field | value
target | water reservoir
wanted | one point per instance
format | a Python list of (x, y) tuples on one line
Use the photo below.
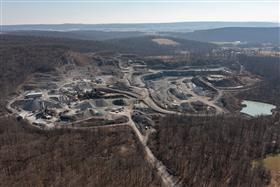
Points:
[(254, 108)]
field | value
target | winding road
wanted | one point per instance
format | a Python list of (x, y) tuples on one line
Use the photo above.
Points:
[(141, 94)]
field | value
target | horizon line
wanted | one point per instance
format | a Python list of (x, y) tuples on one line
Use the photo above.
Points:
[(140, 1), (139, 23)]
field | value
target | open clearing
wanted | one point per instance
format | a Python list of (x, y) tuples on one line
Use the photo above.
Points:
[(164, 41)]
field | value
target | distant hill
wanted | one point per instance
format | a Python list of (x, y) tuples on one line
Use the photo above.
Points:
[(143, 45), (249, 35), (147, 46), (80, 34), (146, 27), (231, 34), (64, 43)]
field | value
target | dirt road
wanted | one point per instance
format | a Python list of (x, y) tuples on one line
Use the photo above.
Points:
[(167, 178)]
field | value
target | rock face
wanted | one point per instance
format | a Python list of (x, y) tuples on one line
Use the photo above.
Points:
[(120, 102), (35, 104), (85, 105)]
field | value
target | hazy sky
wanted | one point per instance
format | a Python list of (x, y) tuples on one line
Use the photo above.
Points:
[(138, 11)]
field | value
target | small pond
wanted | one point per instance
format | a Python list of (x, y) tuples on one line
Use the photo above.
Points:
[(254, 108)]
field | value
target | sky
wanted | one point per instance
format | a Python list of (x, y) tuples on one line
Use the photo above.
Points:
[(136, 11)]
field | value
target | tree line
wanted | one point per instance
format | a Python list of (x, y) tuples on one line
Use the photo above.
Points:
[(216, 151)]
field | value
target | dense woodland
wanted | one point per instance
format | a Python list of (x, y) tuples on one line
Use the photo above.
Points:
[(145, 46), (19, 62), (269, 68), (216, 151), (80, 34), (232, 34), (30, 157)]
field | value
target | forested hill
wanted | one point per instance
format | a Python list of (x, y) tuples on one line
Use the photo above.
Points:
[(146, 45), (230, 34), (143, 45), (79, 34)]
